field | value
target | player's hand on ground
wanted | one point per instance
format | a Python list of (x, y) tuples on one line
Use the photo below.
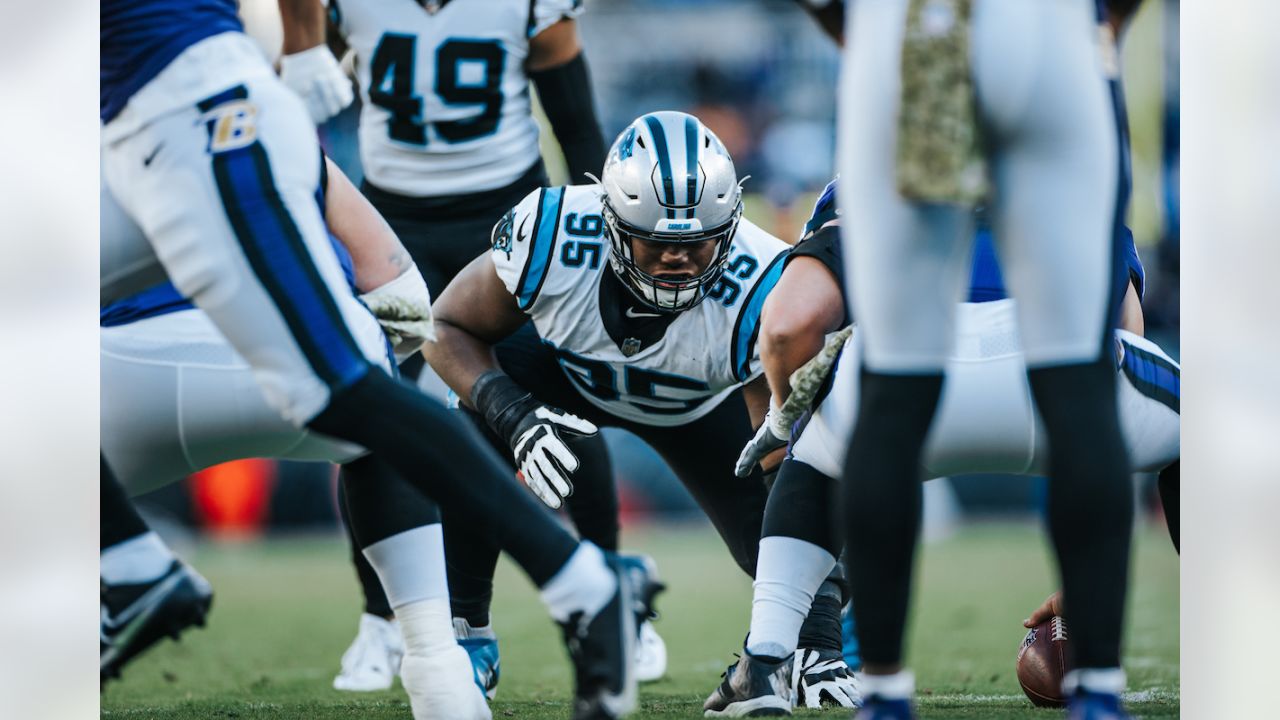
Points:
[(771, 436), (315, 75), (542, 455), (403, 309), (1050, 607)]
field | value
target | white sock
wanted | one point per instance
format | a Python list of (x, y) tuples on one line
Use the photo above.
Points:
[(788, 573), (427, 626), (135, 560), (898, 686), (410, 565), (1107, 681), (584, 583)]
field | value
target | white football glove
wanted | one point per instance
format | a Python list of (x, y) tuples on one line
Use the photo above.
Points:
[(314, 74), (774, 433), (403, 309), (544, 460), (822, 678)]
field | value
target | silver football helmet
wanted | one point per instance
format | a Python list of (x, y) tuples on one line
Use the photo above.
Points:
[(668, 179)]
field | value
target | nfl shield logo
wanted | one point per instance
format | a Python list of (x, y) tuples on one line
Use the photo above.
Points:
[(630, 347), (432, 6)]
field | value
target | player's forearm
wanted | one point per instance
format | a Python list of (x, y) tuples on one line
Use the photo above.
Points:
[(376, 253), (459, 358), (567, 100), (303, 22)]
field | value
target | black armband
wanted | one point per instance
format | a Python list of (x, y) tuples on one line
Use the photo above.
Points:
[(565, 93), (502, 402)]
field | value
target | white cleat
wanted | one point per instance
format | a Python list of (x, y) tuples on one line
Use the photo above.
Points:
[(442, 686), (651, 654), (373, 660)]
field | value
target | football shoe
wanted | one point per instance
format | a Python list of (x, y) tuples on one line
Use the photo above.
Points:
[(602, 647), (137, 615), (755, 686), (442, 686), (1085, 705), (481, 645), (878, 708), (821, 677), (373, 659), (651, 650)]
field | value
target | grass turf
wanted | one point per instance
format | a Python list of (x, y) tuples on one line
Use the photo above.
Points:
[(285, 610)]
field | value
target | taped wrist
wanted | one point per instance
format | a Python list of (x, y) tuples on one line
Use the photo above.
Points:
[(503, 403), (565, 93)]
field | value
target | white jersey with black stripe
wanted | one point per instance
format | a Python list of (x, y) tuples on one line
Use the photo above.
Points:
[(551, 255), (444, 90)]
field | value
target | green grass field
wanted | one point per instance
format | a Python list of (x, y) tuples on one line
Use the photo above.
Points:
[(285, 610)]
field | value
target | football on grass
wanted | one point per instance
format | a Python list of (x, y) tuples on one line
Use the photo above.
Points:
[(1043, 660)]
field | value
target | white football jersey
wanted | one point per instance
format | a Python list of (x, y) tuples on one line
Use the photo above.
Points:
[(444, 90), (551, 254)]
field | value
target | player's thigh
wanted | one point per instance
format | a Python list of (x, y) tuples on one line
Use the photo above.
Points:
[(177, 398), (985, 420), (905, 263), (127, 264), (140, 432), (228, 203), (1046, 99), (1149, 396)]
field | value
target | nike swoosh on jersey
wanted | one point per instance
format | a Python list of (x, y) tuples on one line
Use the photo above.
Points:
[(631, 313)]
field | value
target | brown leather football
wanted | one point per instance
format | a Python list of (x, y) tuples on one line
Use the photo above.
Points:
[(1043, 659)]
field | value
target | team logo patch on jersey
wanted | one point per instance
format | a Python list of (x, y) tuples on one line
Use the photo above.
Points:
[(500, 239), (232, 125), (630, 346)]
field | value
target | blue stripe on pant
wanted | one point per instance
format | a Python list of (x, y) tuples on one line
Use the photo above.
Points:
[(280, 260)]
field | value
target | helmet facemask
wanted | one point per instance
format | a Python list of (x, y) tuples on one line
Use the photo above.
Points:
[(667, 294)]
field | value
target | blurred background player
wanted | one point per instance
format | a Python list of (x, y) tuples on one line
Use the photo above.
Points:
[(621, 281), (448, 143), (1037, 82), (214, 159)]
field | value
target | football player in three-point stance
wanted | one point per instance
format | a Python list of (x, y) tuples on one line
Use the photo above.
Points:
[(986, 421), (448, 143), (644, 293), (215, 160)]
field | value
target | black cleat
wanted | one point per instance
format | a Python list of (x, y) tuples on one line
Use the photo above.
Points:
[(753, 687), (603, 652), (135, 617)]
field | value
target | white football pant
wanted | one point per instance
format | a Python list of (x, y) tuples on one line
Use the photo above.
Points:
[(177, 398), (1045, 105)]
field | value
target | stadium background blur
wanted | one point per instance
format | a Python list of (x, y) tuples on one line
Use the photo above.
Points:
[(764, 80)]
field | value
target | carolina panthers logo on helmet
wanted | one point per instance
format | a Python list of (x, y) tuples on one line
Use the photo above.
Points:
[(500, 238)]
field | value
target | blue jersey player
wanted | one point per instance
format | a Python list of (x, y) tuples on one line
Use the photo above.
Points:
[(215, 161)]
